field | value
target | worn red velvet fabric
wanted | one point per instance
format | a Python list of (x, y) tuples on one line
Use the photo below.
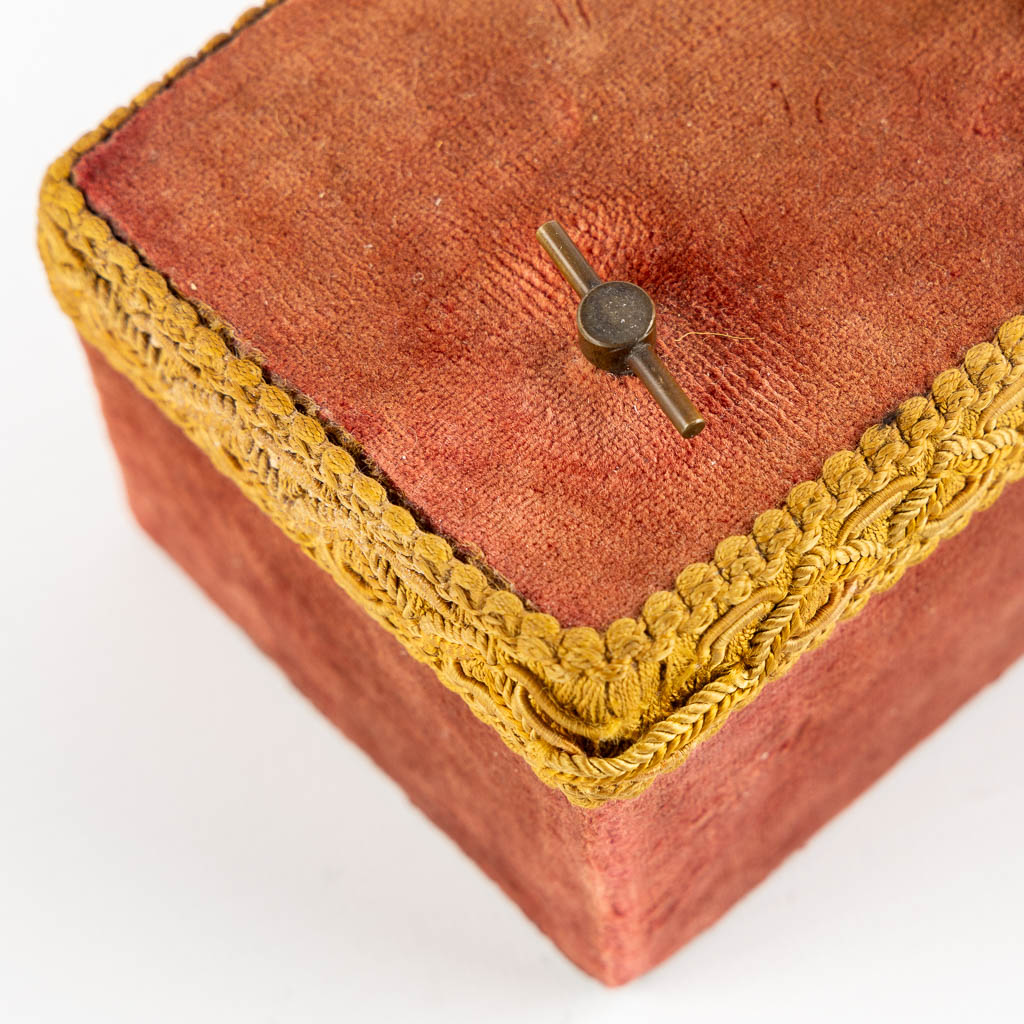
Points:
[(620, 887), (825, 200)]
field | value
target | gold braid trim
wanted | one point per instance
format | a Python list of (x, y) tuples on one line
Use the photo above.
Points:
[(596, 714)]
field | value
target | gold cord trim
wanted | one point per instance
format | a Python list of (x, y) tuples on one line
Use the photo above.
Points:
[(596, 714)]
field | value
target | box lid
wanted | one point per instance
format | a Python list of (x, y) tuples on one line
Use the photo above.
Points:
[(314, 247)]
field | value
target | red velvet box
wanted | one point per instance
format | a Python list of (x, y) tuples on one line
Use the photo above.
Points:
[(341, 379)]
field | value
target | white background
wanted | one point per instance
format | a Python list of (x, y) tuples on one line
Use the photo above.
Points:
[(182, 838)]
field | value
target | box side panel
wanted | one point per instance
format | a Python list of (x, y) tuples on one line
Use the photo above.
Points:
[(620, 887), (679, 855), (522, 833)]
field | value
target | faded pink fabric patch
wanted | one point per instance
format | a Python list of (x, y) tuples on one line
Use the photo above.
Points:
[(355, 188)]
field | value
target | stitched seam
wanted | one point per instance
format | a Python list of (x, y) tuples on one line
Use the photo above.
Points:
[(597, 714)]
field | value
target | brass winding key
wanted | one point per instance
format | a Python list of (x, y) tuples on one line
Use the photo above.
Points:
[(616, 325)]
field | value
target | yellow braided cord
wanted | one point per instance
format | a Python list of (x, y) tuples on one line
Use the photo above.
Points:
[(596, 714)]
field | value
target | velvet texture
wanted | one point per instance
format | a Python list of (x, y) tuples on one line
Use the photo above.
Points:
[(832, 191), (618, 888)]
